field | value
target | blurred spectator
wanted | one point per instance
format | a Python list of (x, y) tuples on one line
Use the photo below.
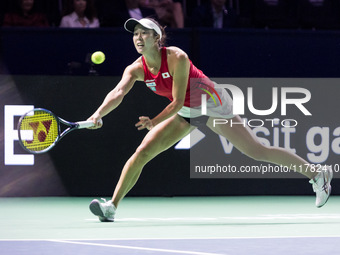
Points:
[(213, 14), (178, 14), (115, 13), (80, 14), (169, 12), (25, 15), (138, 9)]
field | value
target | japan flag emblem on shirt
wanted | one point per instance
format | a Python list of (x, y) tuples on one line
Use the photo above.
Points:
[(165, 75)]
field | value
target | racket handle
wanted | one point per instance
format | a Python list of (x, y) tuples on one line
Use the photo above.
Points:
[(85, 124)]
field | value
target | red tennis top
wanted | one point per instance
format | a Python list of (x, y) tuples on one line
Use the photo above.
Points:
[(162, 82)]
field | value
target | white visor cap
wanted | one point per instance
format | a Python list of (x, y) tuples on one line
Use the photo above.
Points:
[(147, 23)]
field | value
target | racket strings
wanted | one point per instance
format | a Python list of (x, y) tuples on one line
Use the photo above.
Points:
[(38, 131)]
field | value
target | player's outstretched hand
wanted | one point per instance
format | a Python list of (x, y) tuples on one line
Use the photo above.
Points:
[(96, 119), (144, 122)]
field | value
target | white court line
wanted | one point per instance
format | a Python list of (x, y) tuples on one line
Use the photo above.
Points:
[(135, 248), (211, 219), (170, 238)]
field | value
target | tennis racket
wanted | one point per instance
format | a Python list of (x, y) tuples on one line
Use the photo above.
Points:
[(40, 130)]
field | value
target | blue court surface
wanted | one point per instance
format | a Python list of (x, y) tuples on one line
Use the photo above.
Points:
[(180, 225)]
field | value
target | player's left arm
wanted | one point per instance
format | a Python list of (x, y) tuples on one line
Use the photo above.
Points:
[(179, 66)]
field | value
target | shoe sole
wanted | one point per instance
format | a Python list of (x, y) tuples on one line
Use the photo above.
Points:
[(95, 209)]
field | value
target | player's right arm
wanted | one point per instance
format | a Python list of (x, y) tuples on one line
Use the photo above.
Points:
[(131, 74)]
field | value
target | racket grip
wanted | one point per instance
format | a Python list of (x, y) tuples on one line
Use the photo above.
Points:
[(85, 124)]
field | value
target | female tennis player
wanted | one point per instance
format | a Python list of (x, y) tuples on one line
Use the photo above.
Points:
[(168, 72)]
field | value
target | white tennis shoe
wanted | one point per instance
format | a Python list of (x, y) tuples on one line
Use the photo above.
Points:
[(105, 211), (322, 186)]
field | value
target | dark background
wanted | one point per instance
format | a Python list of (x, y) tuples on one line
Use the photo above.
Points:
[(219, 53)]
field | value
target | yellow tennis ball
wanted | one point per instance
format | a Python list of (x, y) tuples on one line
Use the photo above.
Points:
[(98, 57)]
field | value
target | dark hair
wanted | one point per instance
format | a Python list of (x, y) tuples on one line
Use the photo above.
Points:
[(162, 41), (90, 11), (16, 7)]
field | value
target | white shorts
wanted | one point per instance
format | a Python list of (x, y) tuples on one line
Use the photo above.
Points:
[(224, 111)]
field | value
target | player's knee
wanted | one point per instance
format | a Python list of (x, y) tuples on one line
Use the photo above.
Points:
[(144, 153)]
